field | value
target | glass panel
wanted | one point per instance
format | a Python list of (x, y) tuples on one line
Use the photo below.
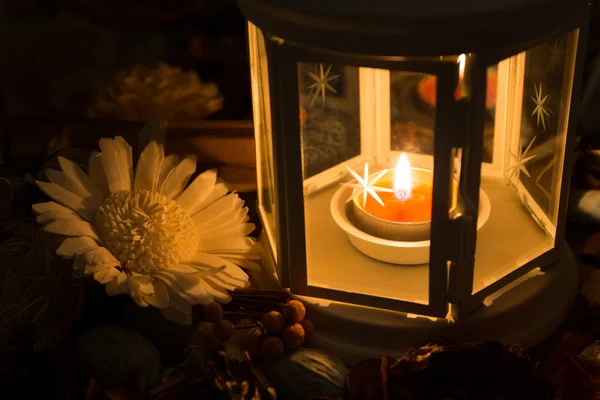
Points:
[(353, 243), (262, 126), (329, 115), (524, 201), (412, 112)]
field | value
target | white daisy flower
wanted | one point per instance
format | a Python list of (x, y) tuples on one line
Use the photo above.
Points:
[(144, 233)]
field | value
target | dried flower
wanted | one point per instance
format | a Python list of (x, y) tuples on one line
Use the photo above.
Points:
[(294, 312), (144, 233), (163, 93)]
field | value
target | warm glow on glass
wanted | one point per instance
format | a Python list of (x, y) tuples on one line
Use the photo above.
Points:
[(402, 178)]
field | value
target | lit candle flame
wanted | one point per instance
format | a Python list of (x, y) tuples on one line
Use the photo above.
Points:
[(402, 179), (461, 67)]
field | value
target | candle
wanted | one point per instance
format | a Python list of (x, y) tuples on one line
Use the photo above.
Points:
[(462, 89), (401, 209), (411, 198), (416, 208)]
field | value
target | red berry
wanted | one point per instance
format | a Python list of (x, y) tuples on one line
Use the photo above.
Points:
[(223, 330), (213, 312), (273, 322), (293, 336), (309, 329), (294, 312)]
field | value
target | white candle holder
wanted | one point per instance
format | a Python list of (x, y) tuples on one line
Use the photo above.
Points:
[(403, 252), (392, 230)]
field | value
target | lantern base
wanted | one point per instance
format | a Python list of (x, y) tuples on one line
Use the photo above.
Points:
[(524, 314)]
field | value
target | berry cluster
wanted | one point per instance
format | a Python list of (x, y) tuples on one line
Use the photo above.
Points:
[(286, 330), (223, 328), (280, 330)]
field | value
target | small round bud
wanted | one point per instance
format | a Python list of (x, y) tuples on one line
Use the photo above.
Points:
[(273, 322), (309, 329), (293, 336), (272, 348), (223, 330), (213, 312), (294, 312)]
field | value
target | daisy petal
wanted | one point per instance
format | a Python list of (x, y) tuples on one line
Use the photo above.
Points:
[(106, 275), (245, 263), (126, 148), (227, 220), (72, 227), (75, 245), (54, 216), (219, 210), (188, 287), (212, 261), (226, 245), (219, 191), (49, 206), (236, 231), (160, 298), (179, 177), (197, 191), (243, 256), (148, 167), (62, 180), (183, 269), (93, 268), (177, 303), (97, 173), (219, 294), (168, 165), (118, 285), (225, 281), (67, 199), (115, 165), (80, 178), (139, 288), (99, 255)]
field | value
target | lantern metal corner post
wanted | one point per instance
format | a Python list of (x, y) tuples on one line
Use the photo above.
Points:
[(492, 224), (287, 148)]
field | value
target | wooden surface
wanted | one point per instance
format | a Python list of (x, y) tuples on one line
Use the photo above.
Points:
[(225, 145)]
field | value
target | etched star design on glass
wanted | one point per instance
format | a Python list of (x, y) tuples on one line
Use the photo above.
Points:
[(521, 159), (368, 186), (320, 84), (541, 110), (555, 55)]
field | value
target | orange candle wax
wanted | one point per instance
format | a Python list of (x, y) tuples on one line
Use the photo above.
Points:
[(416, 208)]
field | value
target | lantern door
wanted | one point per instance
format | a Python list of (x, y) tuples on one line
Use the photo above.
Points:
[(334, 118), (528, 138)]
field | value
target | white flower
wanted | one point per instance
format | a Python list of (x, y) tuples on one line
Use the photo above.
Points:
[(161, 93), (144, 233)]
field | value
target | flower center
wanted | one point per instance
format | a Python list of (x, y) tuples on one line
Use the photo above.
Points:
[(145, 231)]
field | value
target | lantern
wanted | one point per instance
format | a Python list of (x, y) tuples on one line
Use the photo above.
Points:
[(413, 164)]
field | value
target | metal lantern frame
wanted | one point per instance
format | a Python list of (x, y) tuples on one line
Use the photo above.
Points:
[(459, 125)]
